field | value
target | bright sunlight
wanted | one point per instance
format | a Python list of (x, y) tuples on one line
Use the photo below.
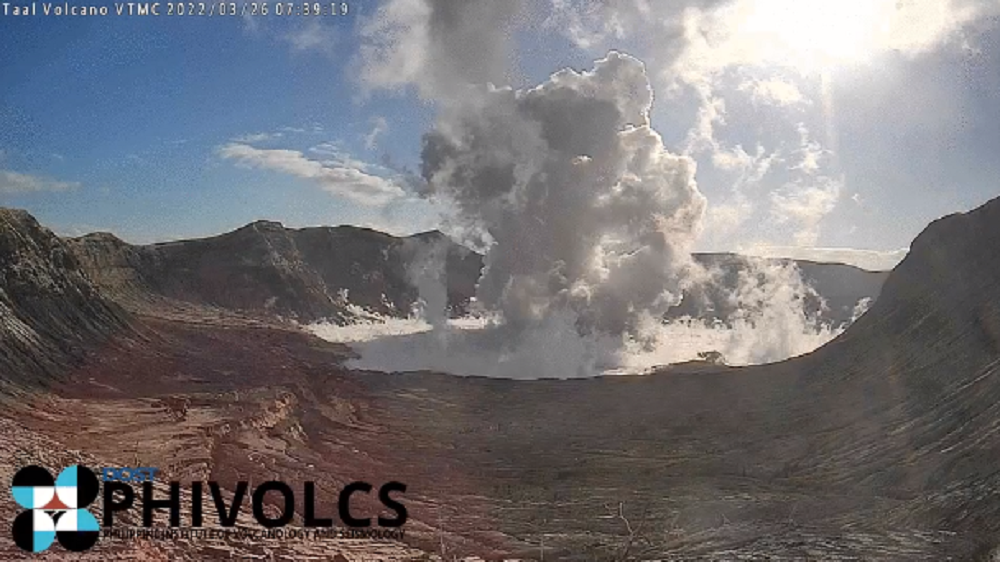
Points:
[(816, 35)]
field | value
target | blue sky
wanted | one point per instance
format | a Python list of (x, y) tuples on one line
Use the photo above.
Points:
[(132, 109), (123, 124)]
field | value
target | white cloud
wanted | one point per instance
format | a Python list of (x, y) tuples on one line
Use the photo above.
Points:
[(774, 91), (250, 24), (694, 43), (711, 112), (439, 46), (598, 24), (723, 219), (752, 168), (811, 35), (334, 154), (256, 137), (811, 154), (808, 191), (805, 205), (259, 137), (346, 181), (313, 36), (379, 127), (17, 182)]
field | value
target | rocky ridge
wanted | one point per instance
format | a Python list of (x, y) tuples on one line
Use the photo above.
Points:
[(267, 270)]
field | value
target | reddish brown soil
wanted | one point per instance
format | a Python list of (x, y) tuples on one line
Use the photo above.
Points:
[(256, 404)]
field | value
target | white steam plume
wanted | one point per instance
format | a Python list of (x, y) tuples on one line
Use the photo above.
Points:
[(590, 218), (424, 271), (772, 318)]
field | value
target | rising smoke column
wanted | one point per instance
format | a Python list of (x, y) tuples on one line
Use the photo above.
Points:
[(586, 213), (587, 217)]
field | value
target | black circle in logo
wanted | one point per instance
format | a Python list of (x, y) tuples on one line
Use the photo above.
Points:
[(31, 536), (77, 486), (77, 530), (32, 476)]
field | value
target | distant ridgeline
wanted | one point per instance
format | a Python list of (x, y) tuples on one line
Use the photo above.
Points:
[(305, 274)]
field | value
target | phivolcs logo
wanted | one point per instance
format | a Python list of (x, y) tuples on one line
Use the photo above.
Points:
[(55, 508)]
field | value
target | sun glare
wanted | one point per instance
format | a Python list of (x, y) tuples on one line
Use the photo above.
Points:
[(816, 35)]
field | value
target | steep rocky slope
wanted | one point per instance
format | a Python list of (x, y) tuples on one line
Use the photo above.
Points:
[(303, 274), (50, 313)]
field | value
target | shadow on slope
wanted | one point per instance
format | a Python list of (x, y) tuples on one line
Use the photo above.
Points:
[(50, 313)]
